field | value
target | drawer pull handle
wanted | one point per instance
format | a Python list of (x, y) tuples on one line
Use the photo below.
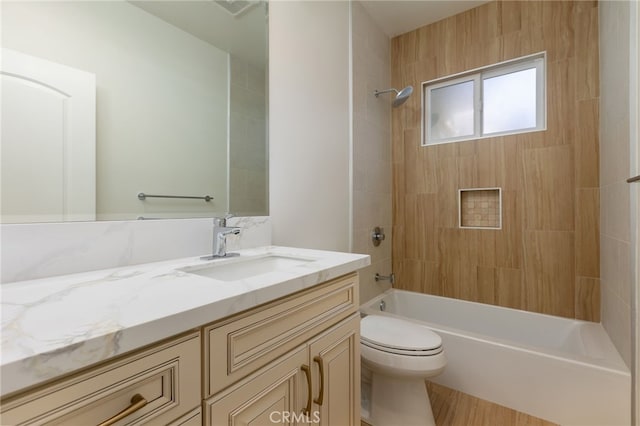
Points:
[(307, 372), (137, 402), (320, 398)]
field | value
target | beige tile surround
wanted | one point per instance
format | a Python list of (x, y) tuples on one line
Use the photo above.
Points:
[(546, 257)]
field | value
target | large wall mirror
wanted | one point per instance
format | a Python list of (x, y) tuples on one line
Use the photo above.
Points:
[(104, 100)]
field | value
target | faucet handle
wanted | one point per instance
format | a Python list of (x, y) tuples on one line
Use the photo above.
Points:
[(222, 221)]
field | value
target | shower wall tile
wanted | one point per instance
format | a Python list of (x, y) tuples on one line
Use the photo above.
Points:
[(397, 248), (467, 171), (248, 175), (373, 173), (509, 288), (548, 188), (490, 163), (509, 238), (489, 18), (486, 284), (586, 152), (616, 318), (616, 266), (428, 217), (431, 283), (557, 26), (510, 167), (523, 42), (545, 258), (511, 17), (561, 102), (588, 232), (550, 277), (413, 241), (447, 202), (398, 192), (486, 247), (587, 69), (616, 263), (421, 169), (617, 200), (414, 272), (588, 299)]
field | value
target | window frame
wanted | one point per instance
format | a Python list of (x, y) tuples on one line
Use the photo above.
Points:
[(478, 75), (476, 96)]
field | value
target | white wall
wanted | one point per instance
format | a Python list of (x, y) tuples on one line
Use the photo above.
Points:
[(309, 127), (161, 101), (371, 148)]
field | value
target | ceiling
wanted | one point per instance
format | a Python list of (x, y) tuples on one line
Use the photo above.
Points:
[(397, 17), (243, 35)]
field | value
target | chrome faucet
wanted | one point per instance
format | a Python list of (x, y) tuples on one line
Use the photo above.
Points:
[(220, 232)]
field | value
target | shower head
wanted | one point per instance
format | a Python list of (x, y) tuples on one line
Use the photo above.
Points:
[(401, 95)]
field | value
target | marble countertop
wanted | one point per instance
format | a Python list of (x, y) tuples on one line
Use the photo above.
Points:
[(53, 326)]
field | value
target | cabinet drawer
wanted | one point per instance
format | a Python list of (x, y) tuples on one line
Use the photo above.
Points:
[(166, 376), (243, 343)]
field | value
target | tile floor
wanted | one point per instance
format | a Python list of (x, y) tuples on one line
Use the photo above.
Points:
[(453, 408)]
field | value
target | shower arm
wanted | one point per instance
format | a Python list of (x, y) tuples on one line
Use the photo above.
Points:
[(380, 92)]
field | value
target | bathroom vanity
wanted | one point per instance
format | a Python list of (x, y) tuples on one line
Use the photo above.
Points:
[(271, 336)]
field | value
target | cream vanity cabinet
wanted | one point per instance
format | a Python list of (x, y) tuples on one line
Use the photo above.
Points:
[(155, 386), (291, 361), (294, 361)]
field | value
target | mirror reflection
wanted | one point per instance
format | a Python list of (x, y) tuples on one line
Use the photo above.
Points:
[(102, 101)]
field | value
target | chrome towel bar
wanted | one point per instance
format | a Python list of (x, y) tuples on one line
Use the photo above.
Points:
[(633, 179), (142, 196)]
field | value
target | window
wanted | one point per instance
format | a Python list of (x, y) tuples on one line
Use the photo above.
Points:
[(502, 99)]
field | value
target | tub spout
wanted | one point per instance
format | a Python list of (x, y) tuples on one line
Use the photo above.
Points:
[(383, 305)]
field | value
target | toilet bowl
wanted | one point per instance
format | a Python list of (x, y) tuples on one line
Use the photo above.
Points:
[(400, 356)]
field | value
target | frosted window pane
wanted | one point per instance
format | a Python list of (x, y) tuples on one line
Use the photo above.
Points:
[(509, 102), (452, 111)]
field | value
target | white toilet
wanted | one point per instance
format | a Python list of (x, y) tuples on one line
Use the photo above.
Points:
[(400, 355)]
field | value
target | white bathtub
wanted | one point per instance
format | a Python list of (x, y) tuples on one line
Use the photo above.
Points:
[(562, 370)]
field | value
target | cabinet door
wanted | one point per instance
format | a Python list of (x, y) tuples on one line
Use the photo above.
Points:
[(194, 418), (276, 395), (335, 357)]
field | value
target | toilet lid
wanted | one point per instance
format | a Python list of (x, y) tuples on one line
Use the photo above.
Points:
[(395, 333)]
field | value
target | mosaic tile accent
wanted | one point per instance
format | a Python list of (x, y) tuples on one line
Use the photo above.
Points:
[(480, 208)]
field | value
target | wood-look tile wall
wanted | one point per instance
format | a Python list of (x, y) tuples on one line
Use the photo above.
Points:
[(546, 256)]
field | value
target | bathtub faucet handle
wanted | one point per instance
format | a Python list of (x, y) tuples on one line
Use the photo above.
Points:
[(391, 278), (377, 236)]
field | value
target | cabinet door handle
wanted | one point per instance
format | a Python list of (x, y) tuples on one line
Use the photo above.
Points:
[(318, 359), (307, 372), (137, 402)]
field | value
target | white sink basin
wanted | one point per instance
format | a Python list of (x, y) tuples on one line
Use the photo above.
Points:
[(239, 268)]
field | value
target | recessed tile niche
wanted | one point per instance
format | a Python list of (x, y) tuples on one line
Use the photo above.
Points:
[(480, 208)]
